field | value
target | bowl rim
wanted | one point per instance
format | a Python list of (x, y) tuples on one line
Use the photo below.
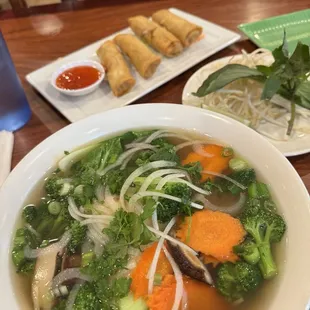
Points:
[(165, 110), (77, 63)]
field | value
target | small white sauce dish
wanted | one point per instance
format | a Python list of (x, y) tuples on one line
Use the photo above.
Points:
[(81, 91)]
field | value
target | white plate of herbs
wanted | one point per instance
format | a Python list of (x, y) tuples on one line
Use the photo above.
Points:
[(269, 92)]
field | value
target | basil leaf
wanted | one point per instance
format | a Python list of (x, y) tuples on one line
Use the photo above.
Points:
[(271, 87), (300, 60), (264, 69), (224, 76), (303, 95), (281, 54)]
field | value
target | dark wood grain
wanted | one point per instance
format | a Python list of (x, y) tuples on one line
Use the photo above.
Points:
[(84, 23)]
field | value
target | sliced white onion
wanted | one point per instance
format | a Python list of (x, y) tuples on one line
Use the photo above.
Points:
[(57, 246), (179, 281), (139, 145), (187, 143), (220, 175), (184, 300), (74, 208), (71, 208), (172, 240), (120, 160), (154, 219), (138, 172), (138, 196), (72, 296), (164, 134), (67, 161), (232, 210), (160, 244), (194, 187), (168, 178), (68, 274), (32, 230), (154, 136), (154, 175), (198, 148)]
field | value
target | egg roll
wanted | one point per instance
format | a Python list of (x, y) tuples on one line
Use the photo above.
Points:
[(144, 60), (185, 31), (118, 74), (156, 36)]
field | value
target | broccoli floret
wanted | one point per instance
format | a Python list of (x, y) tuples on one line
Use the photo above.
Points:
[(167, 209), (57, 188), (78, 234), (244, 177), (265, 228), (248, 251), (23, 237), (143, 157), (87, 298), (116, 178), (62, 222), (234, 281), (30, 214)]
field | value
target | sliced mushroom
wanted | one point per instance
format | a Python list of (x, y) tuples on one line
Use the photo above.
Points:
[(189, 264), (41, 284)]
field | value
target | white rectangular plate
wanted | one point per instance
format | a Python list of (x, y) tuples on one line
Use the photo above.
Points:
[(75, 108)]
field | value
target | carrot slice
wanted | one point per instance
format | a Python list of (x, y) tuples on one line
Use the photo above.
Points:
[(139, 284), (217, 163), (199, 296), (212, 233), (163, 295)]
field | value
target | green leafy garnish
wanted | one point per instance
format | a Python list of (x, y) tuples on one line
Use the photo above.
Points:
[(287, 76)]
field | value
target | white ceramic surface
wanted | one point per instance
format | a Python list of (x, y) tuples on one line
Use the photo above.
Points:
[(292, 147), (82, 91), (215, 39), (290, 290)]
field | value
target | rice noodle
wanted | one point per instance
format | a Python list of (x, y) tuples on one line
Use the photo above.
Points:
[(57, 246), (156, 174), (153, 266), (94, 220), (68, 274), (140, 195), (179, 281), (138, 172), (220, 175), (172, 240), (234, 209)]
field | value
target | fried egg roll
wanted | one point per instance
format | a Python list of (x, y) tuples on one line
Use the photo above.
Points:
[(185, 31), (144, 60), (119, 77), (156, 36)]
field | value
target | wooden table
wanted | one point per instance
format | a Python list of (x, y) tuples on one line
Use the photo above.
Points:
[(84, 23)]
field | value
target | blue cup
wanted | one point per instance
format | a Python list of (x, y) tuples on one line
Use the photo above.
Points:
[(14, 108)]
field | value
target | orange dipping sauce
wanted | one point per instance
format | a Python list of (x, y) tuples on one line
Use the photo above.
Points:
[(78, 77)]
